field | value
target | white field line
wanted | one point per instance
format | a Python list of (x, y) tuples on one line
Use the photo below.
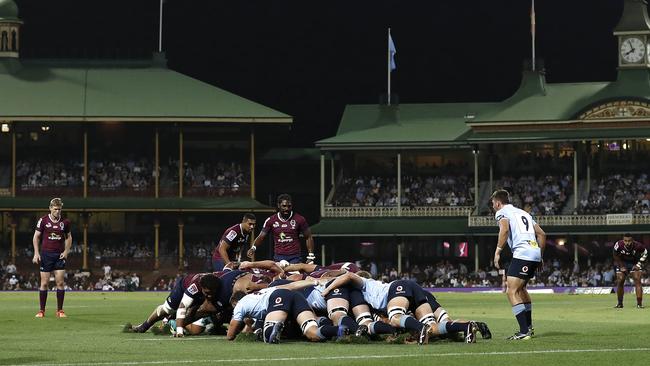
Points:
[(351, 357)]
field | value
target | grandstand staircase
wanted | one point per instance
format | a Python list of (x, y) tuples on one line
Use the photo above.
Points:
[(582, 192)]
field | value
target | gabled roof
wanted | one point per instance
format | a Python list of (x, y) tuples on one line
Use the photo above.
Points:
[(538, 111), (99, 91), (405, 125)]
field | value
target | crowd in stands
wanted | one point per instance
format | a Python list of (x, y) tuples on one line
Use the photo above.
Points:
[(377, 191), (544, 195), (224, 178), (39, 173), (219, 178), (557, 274), (618, 193), (128, 173), (13, 280)]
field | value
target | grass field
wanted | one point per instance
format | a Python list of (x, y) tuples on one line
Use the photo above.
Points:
[(569, 329)]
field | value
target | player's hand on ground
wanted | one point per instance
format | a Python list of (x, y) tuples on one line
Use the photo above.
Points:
[(179, 334), (37, 258)]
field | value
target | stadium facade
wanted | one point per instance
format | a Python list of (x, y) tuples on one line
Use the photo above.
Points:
[(112, 138), (575, 133)]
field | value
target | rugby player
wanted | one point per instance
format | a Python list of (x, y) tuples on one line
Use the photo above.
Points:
[(232, 241), (398, 297), (275, 305), (286, 227), (629, 257), (190, 289), (526, 240), (55, 234)]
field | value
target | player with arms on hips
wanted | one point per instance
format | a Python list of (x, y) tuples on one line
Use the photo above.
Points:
[(53, 232), (286, 226), (232, 241), (629, 257), (526, 241)]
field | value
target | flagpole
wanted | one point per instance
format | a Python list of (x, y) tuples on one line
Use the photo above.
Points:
[(160, 27), (388, 65), (532, 30)]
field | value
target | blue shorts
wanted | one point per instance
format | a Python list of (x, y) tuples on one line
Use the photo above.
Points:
[(176, 295), (356, 298), (522, 268), (50, 262), (408, 289), (293, 259), (288, 301)]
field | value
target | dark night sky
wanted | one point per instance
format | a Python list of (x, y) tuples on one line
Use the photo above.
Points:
[(309, 59)]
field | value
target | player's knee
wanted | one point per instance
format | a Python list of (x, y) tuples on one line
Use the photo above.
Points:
[(395, 315), (337, 313), (310, 329), (163, 309), (428, 319), (364, 318)]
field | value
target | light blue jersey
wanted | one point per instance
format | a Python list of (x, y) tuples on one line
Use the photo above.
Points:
[(521, 237), (315, 298), (253, 305), (375, 293)]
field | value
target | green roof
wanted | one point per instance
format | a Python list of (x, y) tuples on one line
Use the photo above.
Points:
[(225, 204), (78, 91), (462, 124), (8, 10), (404, 125)]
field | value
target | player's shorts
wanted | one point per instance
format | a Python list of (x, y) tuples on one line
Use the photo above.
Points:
[(339, 293), (291, 302), (627, 265), (50, 262), (176, 294), (523, 269), (431, 300), (293, 259), (356, 298), (408, 289)]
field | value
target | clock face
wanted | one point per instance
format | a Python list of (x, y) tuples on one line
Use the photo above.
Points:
[(632, 50)]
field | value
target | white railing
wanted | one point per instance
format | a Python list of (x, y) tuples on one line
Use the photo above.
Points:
[(392, 211), (562, 220)]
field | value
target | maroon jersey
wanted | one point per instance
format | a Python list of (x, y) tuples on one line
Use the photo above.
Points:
[(348, 266), (261, 275), (631, 254), (53, 234), (286, 233), (236, 238), (192, 285)]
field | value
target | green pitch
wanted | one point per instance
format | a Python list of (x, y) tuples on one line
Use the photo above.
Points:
[(569, 330)]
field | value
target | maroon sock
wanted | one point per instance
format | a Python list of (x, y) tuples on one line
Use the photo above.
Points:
[(42, 296), (60, 294)]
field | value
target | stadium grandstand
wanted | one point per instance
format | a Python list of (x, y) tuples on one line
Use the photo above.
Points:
[(152, 164), (415, 179)]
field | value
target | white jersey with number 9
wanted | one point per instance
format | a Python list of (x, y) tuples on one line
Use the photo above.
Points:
[(521, 238)]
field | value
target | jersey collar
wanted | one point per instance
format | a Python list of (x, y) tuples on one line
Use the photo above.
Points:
[(283, 220)]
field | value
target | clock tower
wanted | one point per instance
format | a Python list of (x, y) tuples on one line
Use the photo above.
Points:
[(633, 32)]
